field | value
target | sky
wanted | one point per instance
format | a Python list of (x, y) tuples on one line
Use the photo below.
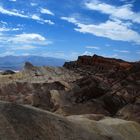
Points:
[(69, 28)]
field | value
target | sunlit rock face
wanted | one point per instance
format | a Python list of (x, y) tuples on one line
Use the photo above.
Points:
[(100, 63)]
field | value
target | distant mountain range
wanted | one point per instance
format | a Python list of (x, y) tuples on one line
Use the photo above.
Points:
[(17, 62)]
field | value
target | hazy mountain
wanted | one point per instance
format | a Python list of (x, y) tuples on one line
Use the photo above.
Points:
[(17, 62)]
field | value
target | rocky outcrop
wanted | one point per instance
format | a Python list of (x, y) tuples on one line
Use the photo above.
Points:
[(89, 88), (91, 85), (89, 95), (36, 94), (130, 112), (113, 83), (18, 122), (28, 66), (99, 63)]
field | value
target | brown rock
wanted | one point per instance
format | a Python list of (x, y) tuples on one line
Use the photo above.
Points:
[(130, 112)]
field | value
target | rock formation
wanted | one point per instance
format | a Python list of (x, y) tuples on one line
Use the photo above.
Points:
[(101, 63), (91, 95), (112, 82)]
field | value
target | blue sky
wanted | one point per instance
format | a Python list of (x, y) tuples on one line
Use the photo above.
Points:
[(69, 28)]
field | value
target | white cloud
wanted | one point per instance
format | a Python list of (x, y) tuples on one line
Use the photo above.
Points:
[(27, 38), (87, 53), (36, 17), (93, 47), (124, 12), (18, 14), (122, 51), (115, 30), (7, 53), (123, 0), (49, 22), (128, 1), (33, 4), (111, 56), (11, 13), (61, 54), (70, 19), (24, 47), (3, 23), (13, 0), (46, 11), (4, 29), (23, 42)]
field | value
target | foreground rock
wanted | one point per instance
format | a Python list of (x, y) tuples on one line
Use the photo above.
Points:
[(18, 122), (22, 122)]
